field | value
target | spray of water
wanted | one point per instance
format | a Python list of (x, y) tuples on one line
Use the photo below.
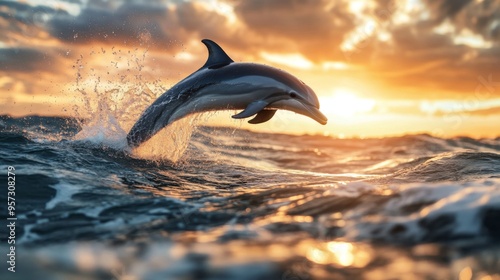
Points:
[(111, 99), (170, 143)]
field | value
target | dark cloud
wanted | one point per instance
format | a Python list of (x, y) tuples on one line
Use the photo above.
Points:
[(25, 13), (30, 70), (446, 8), (24, 60), (142, 24), (24, 7), (129, 24), (21, 22), (480, 17)]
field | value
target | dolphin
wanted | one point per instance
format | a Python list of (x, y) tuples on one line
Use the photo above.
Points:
[(222, 84)]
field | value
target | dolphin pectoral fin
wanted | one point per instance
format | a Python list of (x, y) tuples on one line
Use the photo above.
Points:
[(217, 57), (262, 116), (252, 109)]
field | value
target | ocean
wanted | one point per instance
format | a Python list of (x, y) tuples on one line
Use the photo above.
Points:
[(205, 202)]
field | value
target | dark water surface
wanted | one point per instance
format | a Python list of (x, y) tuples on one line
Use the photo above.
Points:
[(246, 205)]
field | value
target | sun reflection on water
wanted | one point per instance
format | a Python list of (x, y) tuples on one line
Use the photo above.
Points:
[(343, 251), (343, 254)]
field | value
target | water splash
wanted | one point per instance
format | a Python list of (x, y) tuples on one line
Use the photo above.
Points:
[(169, 143), (111, 100), (103, 129)]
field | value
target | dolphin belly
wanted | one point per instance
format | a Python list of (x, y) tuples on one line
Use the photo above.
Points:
[(172, 106)]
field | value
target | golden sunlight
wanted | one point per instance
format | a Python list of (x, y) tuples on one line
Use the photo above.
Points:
[(294, 60), (343, 251), (339, 253), (345, 103), (221, 8)]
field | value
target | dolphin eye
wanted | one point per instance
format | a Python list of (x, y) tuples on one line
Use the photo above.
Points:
[(293, 95)]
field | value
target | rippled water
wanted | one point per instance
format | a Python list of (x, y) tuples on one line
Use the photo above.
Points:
[(244, 205)]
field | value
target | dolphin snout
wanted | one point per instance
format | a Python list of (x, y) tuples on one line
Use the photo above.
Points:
[(314, 113), (302, 107)]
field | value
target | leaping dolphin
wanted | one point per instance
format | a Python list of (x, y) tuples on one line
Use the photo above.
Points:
[(222, 84)]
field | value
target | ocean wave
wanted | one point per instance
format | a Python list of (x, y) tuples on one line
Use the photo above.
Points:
[(229, 187), (452, 166)]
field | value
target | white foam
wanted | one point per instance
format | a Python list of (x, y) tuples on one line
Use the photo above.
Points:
[(464, 202), (64, 192), (104, 131)]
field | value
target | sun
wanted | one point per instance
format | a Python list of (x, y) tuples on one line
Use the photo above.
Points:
[(345, 103)]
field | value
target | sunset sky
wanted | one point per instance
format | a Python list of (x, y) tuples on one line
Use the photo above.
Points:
[(379, 67)]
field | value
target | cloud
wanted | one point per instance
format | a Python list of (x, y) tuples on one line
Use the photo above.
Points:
[(423, 62), (32, 71), (21, 23), (485, 112), (446, 8), (315, 28), (24, 60), (480, 112), (147, 24), (130, 24), (415, 61), (480, 17), (153, 26), (23, 10)]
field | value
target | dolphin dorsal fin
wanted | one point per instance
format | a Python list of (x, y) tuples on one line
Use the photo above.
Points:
[(217, 57)]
